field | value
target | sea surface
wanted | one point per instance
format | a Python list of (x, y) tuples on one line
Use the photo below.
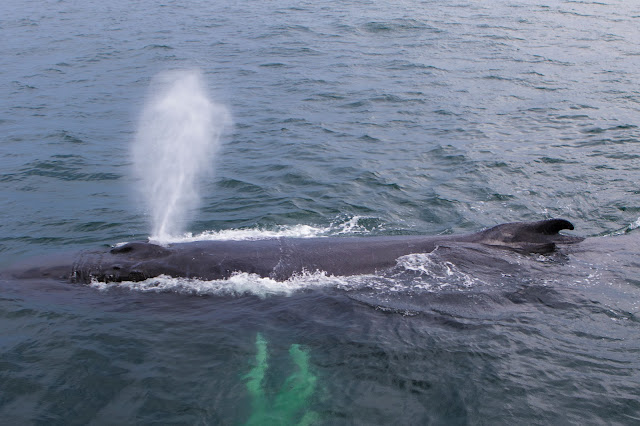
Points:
[(345, 118)]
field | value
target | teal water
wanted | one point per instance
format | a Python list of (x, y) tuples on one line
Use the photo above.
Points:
[(357, 118)]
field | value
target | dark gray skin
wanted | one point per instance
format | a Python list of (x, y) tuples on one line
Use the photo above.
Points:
[(283, 257)]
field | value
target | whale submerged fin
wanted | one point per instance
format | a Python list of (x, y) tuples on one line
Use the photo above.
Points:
[(530, 237)]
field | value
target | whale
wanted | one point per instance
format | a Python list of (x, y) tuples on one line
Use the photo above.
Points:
[(281, 258)]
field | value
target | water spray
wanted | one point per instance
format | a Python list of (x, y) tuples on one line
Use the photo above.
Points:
[(178, 136)]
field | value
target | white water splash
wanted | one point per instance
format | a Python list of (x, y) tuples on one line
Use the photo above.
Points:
[(178, 136), (443, 272), (238, 284), (297, 231), (631, 227), (350, 226)]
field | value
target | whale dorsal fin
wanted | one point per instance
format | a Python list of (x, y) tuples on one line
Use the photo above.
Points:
[(533, 237), (551, 226)]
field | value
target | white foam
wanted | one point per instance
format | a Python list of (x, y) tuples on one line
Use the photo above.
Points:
[(297, 231), (351, 226), (238, 284), (442, 273), (632, 226)]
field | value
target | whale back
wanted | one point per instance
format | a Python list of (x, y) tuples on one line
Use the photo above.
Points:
[(283, 257)]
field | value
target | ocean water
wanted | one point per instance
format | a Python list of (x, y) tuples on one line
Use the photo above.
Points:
[(345, 118)]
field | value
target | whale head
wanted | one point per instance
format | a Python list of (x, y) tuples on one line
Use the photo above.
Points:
[(133, 261)]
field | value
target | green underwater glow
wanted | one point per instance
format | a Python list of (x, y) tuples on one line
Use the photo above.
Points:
[(288, 405)]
